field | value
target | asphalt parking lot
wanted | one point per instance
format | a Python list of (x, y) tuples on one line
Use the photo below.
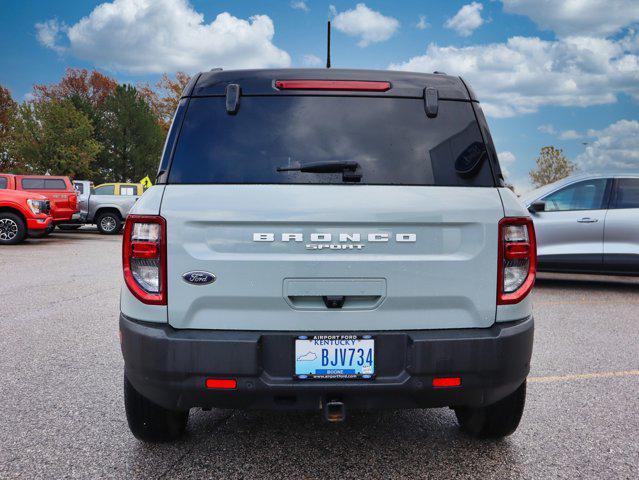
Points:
[(62, 413)]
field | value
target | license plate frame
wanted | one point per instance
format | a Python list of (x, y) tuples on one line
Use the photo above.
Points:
[(343, 349)]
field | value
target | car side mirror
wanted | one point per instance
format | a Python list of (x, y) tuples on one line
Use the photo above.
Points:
[(537, 206)]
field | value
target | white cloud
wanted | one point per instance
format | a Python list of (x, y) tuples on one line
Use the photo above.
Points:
[(506, 160), (521, 183), (577, 17), (153, 36), (300, 5), (48, 34), (422, 24), (570, 135), (547, 128), (311, 60), (467, 20), (616, 147), (369, 25), (526, 73)]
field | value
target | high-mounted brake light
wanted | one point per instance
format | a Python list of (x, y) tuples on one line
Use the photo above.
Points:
[(517, 259), (144, 258), (338, 85)]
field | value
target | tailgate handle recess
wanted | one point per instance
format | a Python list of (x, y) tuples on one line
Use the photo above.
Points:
[(334, 293), (334, 301)]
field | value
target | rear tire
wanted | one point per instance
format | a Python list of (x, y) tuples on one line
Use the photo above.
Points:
[(12, 229), (109, 223), (150, 422), (493, 421)]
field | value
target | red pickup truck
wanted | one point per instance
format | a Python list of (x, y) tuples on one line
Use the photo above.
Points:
[(22, 213), (58, 190)]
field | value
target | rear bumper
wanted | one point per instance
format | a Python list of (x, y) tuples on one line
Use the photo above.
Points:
[(62, 215), (38, 223), (170, 366)]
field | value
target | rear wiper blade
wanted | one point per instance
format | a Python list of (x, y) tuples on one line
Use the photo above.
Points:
[(349, 168), (330, 166)]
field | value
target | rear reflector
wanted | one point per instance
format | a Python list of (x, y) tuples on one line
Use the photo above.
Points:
[(221, 383), (344, 85), (447, 382)]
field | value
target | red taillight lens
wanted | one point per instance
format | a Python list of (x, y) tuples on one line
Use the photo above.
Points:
[(344, 85), (516, 250), (221, 383), (446, 382), (144, 258), (144, 250), (517, 259)]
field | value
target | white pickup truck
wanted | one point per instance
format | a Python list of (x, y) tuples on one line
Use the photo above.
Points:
[(102, 208)]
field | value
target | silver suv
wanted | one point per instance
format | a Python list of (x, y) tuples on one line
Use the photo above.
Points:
[(587, 224), (327, 240)]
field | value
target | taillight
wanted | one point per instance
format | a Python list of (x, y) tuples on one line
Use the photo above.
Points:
[(343, 85), (517, 259), (144, 258)]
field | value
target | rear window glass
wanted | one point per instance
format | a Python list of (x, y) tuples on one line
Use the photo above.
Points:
[(3, 183), (127, 190), (392, 140), (627, 195), (43, 184), (104, 190)]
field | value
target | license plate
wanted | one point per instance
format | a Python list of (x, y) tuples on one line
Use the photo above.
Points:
[(334, 357)]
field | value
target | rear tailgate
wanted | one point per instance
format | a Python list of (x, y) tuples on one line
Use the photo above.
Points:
[(431, 262), (63, 203), (407, 240)]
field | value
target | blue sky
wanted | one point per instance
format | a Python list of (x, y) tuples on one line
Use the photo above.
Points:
[(548, 72)]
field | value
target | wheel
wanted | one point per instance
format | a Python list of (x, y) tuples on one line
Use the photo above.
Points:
[(493, 421), (150, 422), (12, 229), (109, 223), (69, 227)]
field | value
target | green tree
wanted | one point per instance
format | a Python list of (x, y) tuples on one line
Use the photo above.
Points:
[(8, 113), (55, 137), (131, 136), (88, 91), (552, 165), (164, 98)]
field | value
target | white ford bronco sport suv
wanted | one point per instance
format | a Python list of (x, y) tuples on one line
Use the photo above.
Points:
[(327, 239)]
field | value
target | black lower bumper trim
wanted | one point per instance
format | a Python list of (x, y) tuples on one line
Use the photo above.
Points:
[(170, 366)]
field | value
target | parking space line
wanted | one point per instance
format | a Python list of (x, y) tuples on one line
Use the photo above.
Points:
[(579, 302), (582, 376)]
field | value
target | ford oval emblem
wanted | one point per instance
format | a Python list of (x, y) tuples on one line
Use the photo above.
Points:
[(198, 278)]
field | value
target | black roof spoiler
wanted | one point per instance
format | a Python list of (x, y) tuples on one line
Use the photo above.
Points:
[(262, 82)]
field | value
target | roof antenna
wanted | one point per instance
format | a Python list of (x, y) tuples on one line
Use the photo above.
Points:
[(328, 45)]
